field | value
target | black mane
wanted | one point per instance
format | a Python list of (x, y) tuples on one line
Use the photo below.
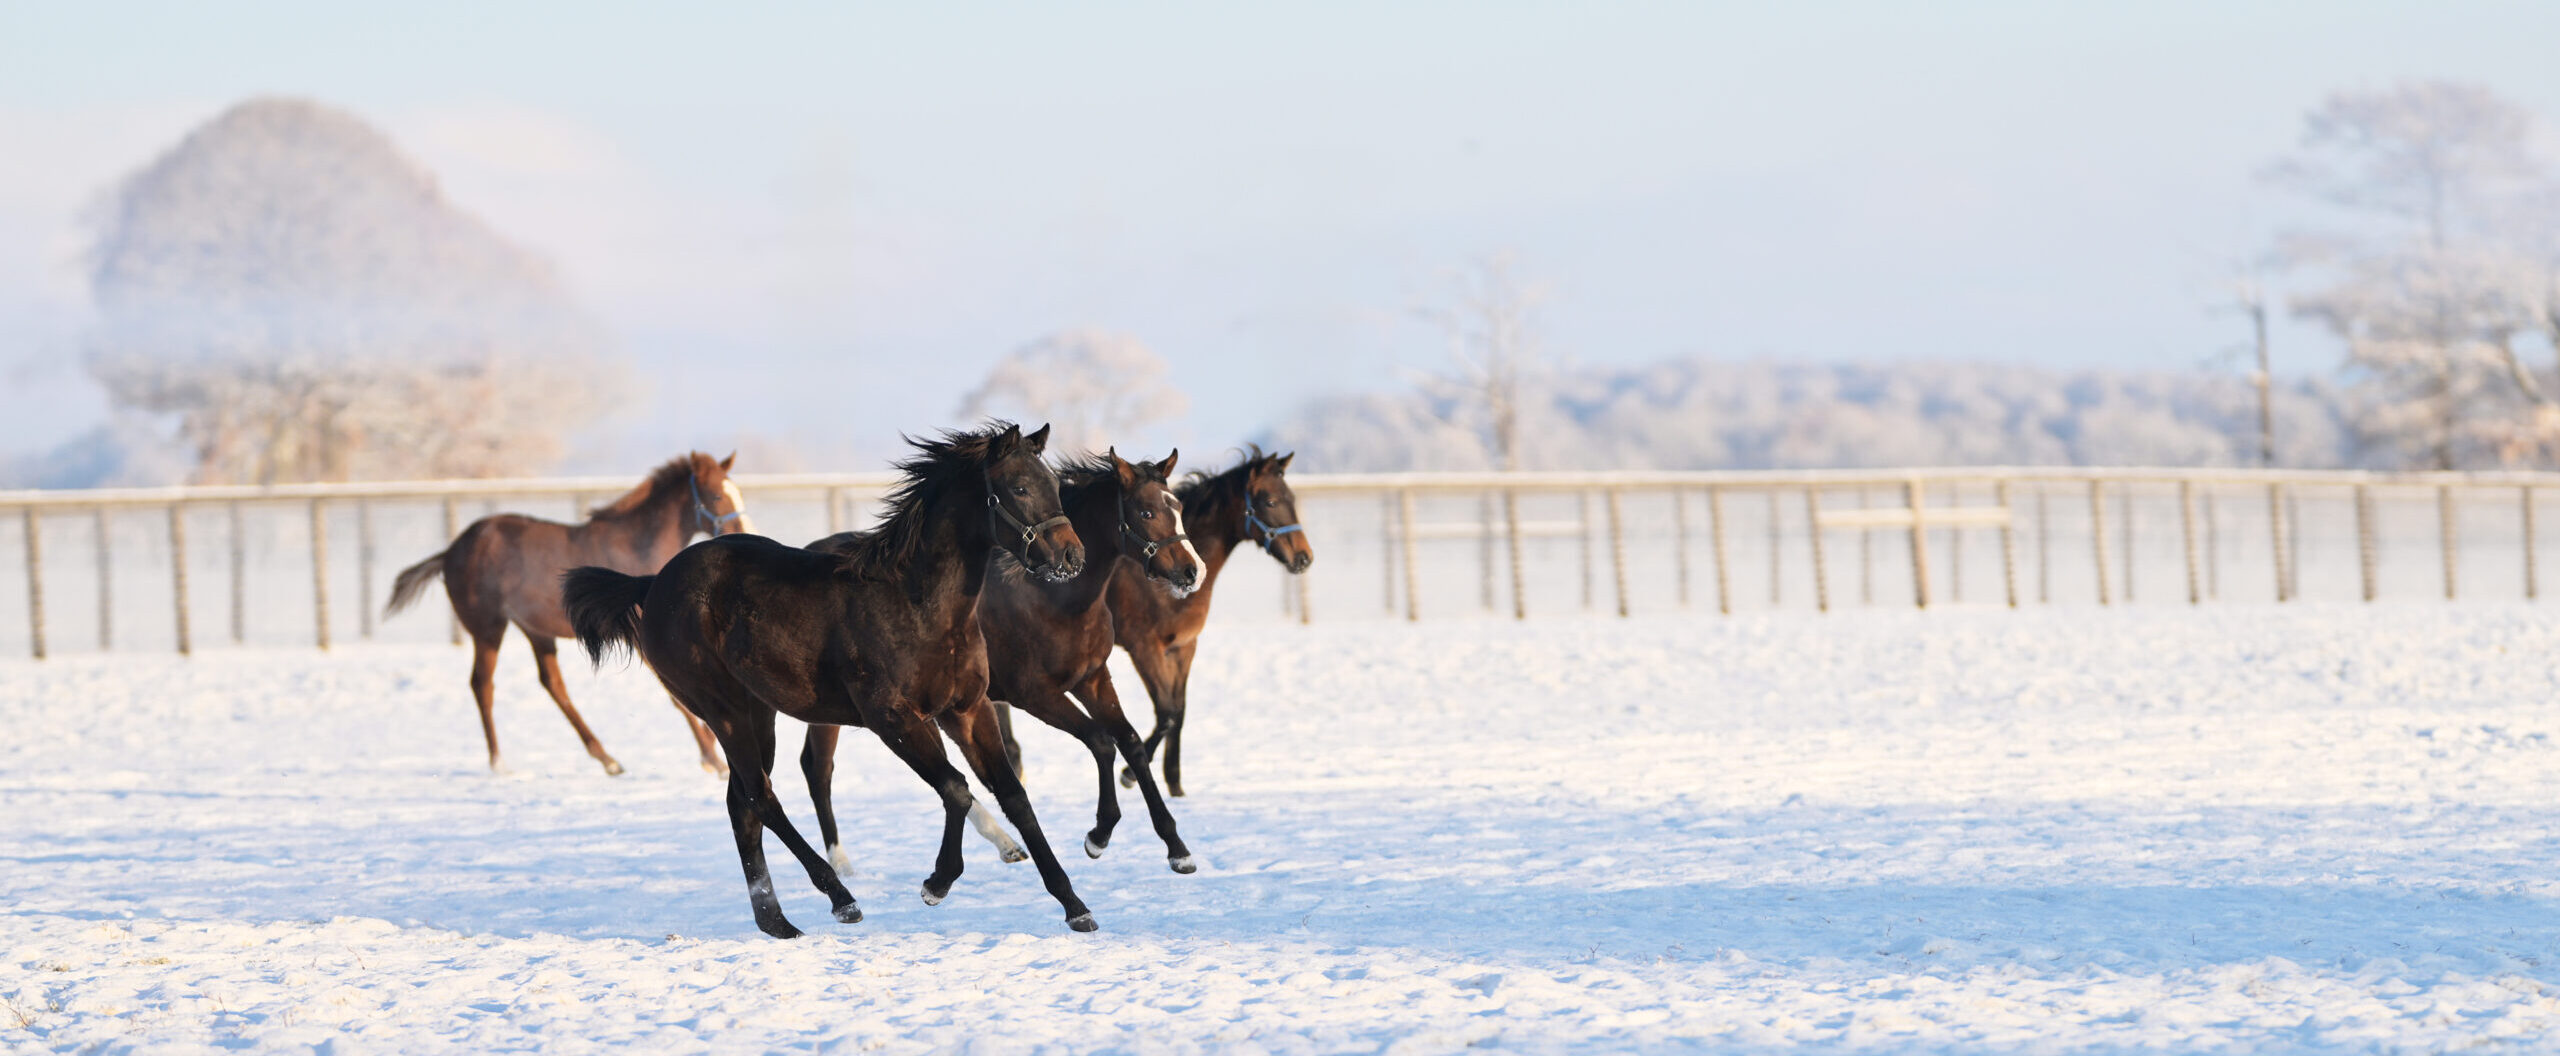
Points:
[(674, 472), (1204, 490), (887, 552)]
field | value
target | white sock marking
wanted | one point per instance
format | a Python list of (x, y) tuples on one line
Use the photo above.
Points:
[(994, 833)]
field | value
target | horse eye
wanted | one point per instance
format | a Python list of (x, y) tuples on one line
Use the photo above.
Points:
[(1021, 492), (1147, 514)]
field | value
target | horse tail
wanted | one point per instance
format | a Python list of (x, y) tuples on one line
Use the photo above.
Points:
[(604, 608), (413, 581)]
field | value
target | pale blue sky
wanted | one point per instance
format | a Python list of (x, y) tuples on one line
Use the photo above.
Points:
[(822, 223)]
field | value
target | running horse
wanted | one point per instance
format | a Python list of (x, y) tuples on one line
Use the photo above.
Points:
[(505, 569), (1249, 503), (1048, 640), (882, 634)]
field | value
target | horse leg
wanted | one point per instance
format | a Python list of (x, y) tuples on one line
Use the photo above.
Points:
[(1169, 720), (1102, 701), (744, 823), (1012, 747), (768, 808), (546, 659), (915, 742), (711, 763), (981, 744), (1053, 707), (818, 765), (1155, 671), (484, 688)]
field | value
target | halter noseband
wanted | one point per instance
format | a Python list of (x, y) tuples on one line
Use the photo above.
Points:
[(703, 509), (1147, 547), (1029, 531), (1270, 540)]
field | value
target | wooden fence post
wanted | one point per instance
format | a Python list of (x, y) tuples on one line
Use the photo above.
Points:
[(106, 586), (2275, 529), (835, 510), (2366, 552), (1404, 513), (1715, 533), (2532, 586), (35, 581), (1866, 557), (319, 574), (1305, 614), (2445, 533), (1680, 541), (2008, 543), (1813, 536), (2212, 549), (239, 578), (1582, 509), (2098, 536), (1916, 495), (1511, 538), (2126, 516), (1618, 552), (1775, 598), (1387, 550), (2187, 535), (178, 575)]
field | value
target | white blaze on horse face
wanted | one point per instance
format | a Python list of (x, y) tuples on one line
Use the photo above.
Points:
[(738, 502), (1174, 503)]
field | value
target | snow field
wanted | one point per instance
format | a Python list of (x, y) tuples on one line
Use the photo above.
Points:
[(2234, 829)]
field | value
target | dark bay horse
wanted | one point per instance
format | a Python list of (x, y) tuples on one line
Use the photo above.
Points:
[(883, 635), (505, 569), (1248, 503), (1047, 640)]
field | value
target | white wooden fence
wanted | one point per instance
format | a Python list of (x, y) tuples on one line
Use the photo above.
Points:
[(1428, 543)]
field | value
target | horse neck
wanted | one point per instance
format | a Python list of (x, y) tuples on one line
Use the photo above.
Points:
[(948, 574), (651, 534), (1216, 528)]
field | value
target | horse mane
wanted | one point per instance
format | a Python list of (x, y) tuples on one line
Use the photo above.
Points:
[(674, 471), (893, 549), (1205, 489)]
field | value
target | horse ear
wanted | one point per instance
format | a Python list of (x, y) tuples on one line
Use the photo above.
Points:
[(1282, 466), (1002, 446), (1039, 441), (1121, 468), (1166, 467), (729, 461)]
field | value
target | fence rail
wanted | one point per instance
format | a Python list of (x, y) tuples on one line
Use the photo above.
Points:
[(146, 540)]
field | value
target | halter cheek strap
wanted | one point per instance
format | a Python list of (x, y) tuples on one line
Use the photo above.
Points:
[(1146, 547), (717, 521), (1029, 531), (1270, 535)]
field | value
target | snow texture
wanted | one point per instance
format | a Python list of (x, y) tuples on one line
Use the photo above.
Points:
[(2238, 829)]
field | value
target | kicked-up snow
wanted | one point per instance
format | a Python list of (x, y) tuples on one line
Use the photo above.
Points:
[(2233, 829)]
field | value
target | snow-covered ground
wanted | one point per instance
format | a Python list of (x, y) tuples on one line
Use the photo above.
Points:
[(2240, 829)]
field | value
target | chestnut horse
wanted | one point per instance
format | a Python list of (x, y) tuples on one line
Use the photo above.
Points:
[(1048, 640), (1250, 503), (883, 635), (505, 569)]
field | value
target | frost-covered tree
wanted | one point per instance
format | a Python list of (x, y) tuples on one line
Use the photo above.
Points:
[(305, 304), (1094, 387), (2443, 263), (1487, 318)]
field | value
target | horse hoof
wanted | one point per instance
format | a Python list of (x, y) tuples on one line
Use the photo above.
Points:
[(933, 897), (1016, 854), (849, 913), (1173, 790), (1082, 922), (1093, 847), (778, 928), (1185, 865), (612, 769), (1128, 778)]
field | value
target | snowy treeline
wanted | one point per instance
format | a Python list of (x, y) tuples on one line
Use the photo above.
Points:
[(301, 302), (1706, 414)]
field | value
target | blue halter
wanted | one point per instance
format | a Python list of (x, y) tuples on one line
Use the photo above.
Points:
[(703, 509), (1270, 536)]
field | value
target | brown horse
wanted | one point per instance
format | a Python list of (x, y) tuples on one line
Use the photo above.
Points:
[(1248, 503), (1046, 640), (505, 569), (883, 635)]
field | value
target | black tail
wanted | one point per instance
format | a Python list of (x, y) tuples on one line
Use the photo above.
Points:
[(413, 581), (604, 607)]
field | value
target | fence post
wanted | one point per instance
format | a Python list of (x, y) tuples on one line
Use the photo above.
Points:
[(2275, 529), (1680, 541), (1955, 549), (2098, 536), (2365, 549), (1813, 536), (2532, 589), (2445, 532), (1866, 556), (178, 575), (319, 574), (2187, 535), (1305, 617), (1404, 514), (2044, 549), (452, 528), (1582, 509), (1715, 534), (2125, 515), (2008, 543), (1511, 539), (364, 568), (2212, 549), (835, 510), (1484, 546), (239, 578), (1617, 552), (1775, 598), (35, 581), (1916, 495), (106, 586)]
